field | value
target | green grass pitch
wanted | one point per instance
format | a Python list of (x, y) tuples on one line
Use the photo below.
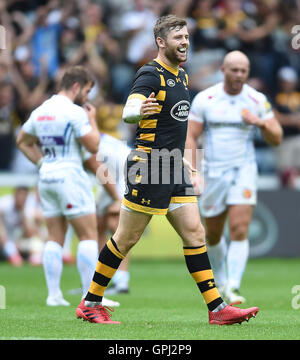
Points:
[(164, 304)]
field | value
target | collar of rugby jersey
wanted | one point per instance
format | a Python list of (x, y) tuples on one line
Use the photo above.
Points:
[(167, 67)]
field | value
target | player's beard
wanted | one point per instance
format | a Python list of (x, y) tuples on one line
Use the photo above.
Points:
[(174, 58), (235, 86), (79, 99)]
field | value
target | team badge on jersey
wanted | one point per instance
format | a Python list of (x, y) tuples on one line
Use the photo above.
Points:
[(171, 82)]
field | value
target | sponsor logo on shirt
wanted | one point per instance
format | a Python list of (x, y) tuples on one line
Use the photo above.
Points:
[(180, 111)]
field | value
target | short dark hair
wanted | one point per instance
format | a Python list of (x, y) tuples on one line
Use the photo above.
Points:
[(75, 74), (167, 23)]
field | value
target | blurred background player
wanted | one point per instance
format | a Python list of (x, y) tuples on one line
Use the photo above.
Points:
[(61, 127), (229, 113), (113, 153), (21, 230), (108, 166)]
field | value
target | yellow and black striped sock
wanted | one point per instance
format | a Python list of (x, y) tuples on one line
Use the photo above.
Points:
[(108, 262), (198, 264)]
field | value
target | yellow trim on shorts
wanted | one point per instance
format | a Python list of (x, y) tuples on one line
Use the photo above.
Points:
[(183, 199), (144, 209), (114, 250)]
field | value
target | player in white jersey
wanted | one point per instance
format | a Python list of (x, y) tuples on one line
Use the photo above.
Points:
[(53, 138), (229, 113), (112, 153)]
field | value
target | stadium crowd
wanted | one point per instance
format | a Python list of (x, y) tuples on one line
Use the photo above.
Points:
[(113, 38)]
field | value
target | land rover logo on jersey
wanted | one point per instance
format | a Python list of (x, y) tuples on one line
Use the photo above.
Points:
[(180, 111), (171, 82)]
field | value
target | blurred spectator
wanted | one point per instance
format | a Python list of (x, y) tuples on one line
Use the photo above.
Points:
[(255, 34), (287, 104), (45, 42), (112, 38), (232, 17), (7, 118), (109, 116), (206, 32), (21, 227)]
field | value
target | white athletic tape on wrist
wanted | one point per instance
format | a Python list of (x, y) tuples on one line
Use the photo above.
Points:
[(40, 162), (132, 110)]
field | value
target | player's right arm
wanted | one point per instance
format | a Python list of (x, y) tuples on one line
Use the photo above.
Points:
[(136, 108), (28, 144), (90, 140), (141, 102)]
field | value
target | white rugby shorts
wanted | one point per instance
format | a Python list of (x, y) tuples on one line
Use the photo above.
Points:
[(228, 187), (66, 193)]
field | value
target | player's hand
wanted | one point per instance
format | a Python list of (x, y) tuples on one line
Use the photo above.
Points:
[(198, 183), (90, 110), (149, 106), (251, 119), (191, 170)]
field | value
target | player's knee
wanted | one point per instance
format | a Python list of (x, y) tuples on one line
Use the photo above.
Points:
[(213, 238), (194, 236), (125, 240), (239, 230)]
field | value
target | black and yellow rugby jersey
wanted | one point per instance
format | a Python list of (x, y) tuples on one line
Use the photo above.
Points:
[(167, 128)]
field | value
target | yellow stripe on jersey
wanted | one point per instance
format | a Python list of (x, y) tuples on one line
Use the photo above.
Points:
[(162, 80), (137, 96), (148, 124), (138, 158), (147, 137), (144, 148), (161, 95), (187, 79), (159, 108)]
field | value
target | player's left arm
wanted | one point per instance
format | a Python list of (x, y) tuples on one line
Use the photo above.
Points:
[(265, 119), (270, 128), (28, 144)]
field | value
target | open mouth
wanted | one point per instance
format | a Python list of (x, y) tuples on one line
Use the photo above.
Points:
[(182, 50)]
